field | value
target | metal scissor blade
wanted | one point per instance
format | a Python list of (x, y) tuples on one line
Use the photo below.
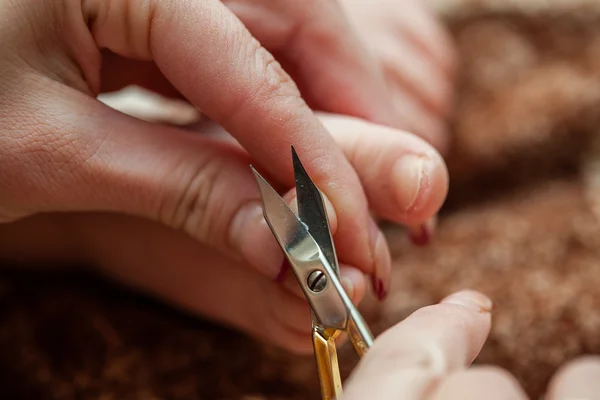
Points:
[(329, 304), (312, 211)]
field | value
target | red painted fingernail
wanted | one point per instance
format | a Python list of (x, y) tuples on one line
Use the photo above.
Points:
[(285, 267), (381, 292), (420, 236), (378, 288)]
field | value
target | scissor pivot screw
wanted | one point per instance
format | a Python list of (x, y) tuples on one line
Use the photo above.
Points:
[(317, 281)]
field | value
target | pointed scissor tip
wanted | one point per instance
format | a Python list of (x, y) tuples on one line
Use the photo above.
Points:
[(259, 179)]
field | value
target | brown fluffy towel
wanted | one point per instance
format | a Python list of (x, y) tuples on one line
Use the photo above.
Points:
[(521, 224)]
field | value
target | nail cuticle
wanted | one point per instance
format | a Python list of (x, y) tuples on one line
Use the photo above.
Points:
[(411, 175), (472, 301)]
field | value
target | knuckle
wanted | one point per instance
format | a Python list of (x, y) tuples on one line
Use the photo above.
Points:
[(269, 84), (125, 26), (273, 80), (196, 208)]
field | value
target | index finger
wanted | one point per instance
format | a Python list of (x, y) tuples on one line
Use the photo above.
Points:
[(212, 59), (408, 359)]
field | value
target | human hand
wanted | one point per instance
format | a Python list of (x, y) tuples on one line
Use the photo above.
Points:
[(200, 277), (425, 357), (418, 58), (428, 355), (61, 150)]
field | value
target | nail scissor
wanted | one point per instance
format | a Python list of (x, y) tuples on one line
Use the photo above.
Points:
[(307, 243)]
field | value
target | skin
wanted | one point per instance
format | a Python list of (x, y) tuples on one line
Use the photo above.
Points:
[(418, 59), (76, 174), (428, 356), (171, 265), (149, 205), (63, 151)]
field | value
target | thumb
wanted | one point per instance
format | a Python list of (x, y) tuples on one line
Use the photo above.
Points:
[(80, 155)]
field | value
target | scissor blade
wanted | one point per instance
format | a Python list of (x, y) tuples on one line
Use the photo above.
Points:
[(312, 211), (330, 304)]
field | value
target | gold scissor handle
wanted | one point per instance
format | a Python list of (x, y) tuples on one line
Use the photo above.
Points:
[(359, 333), (326, 353), (327, 362)]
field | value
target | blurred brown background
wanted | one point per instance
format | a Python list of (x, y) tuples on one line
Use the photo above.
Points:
[(521, 224)]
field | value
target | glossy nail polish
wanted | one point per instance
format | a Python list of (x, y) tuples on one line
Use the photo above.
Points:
[(420, 236)]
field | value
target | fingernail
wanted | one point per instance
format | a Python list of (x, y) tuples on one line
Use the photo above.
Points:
[(410, 174), (349, 286), (382, 261), (252, 238), (379, 288), (421, 235), (470, 299)]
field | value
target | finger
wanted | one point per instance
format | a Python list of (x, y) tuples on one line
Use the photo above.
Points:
[(373, 150), (106, 161), (236, 82), (429, 35), (579, 379), (407, 195), (409, 358), (478, 383), (333, 67), (418, 120), (413, 73), (405, 179), (176, 269)]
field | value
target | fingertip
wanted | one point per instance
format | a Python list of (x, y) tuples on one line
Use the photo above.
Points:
[(251, 237), (471, 299), (405, 177), (579, 378), (421, 185), (480, 382)]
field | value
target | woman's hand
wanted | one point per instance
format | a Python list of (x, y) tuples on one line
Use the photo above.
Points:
[(418, 59), (428, 355), (61, 150), (403, 175)]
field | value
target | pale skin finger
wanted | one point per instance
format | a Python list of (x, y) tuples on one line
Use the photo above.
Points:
[(419, 77), (578, 379), (405, 178), (323, 54), (409, 359), (373, 150), (182, 186), (418, 58), (477, 383), (429, 35), (227, 74)]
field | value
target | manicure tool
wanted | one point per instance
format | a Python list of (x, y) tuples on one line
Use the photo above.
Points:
[(308, 246)]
